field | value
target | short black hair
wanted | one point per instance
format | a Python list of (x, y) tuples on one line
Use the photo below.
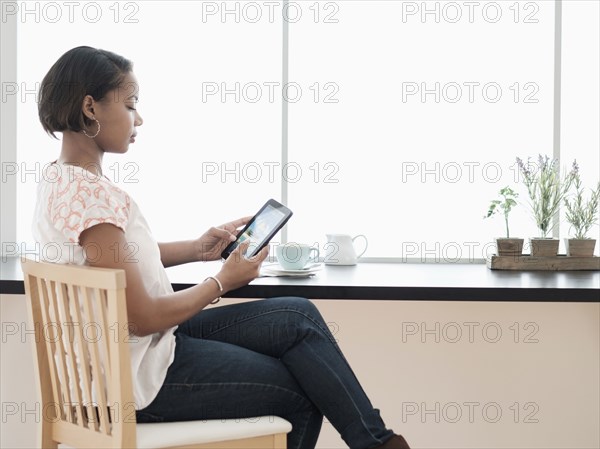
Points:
[(79, 72)]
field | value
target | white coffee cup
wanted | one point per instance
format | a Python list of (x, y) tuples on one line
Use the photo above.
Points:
[(340, 249), (295, 256)]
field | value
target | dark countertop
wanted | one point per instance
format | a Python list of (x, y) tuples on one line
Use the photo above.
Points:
[(387, 281)]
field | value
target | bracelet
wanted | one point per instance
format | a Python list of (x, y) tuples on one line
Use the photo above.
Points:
[(220, 287)]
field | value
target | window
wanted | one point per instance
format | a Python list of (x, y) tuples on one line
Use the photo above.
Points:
[(201, 69), (399, 120), (580, 138), (430, 104)]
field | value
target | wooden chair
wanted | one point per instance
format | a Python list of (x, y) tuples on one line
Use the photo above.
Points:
[(83, 370)]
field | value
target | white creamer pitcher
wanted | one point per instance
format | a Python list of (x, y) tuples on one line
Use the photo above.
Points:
[(339, 249)]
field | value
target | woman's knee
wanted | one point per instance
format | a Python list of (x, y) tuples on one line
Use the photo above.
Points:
[(305, 315), (300, 304)]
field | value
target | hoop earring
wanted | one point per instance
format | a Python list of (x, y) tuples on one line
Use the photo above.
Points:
[(97, 132)]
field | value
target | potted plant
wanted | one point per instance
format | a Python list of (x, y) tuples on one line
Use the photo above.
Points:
[(546, 192), (506, 246), (581, 215)]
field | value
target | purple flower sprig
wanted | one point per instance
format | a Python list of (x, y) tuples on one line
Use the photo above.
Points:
[(546, 189), (582, 214)]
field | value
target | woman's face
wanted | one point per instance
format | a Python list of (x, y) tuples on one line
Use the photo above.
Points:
[(118, 117)]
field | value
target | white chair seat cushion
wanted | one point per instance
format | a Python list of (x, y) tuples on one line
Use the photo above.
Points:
[(160, 435)]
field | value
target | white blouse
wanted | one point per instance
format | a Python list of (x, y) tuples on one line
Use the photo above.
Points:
[(71, 199)]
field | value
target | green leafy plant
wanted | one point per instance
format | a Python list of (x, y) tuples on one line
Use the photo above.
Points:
[(581, 214), (546, 190), (503, 206)]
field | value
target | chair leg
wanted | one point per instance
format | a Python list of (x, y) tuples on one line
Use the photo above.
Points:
[(280, 441), (44, 438)]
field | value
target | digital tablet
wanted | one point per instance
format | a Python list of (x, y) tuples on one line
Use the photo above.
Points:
[(261, 228)]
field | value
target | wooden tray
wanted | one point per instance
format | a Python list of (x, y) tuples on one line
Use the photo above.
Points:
[(556, 263)]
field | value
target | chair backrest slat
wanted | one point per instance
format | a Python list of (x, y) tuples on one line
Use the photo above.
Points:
[(121, 368), (101, 295), (83, 352), (61, 350), (43, 306), (98, 364), (66, 304)]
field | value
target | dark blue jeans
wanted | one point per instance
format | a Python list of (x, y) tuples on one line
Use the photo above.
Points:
[(269, 357)]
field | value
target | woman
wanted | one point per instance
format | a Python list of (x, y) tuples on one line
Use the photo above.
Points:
[(270, 357)]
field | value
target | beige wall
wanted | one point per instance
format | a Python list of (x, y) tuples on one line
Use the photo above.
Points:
[(544, 379), (519, 375)]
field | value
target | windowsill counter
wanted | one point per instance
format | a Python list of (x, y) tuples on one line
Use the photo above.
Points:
[(387, 281)]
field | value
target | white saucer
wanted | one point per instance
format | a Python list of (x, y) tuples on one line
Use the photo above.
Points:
[(277, 270)]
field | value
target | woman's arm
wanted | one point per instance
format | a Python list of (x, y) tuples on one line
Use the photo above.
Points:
[(177, 253), (147, 314), (207, 247)]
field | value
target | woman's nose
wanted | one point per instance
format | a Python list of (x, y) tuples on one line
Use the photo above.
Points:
[(139, 121)]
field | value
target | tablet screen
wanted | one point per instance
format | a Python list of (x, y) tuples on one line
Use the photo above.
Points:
[(261, 228)]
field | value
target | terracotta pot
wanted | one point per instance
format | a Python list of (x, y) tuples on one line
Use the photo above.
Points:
[(541, 247), (509, 246), (580, 247)]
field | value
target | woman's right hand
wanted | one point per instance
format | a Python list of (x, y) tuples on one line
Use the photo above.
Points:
[(238, 270)]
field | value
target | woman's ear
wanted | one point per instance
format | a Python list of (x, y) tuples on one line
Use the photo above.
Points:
[(87, 107)]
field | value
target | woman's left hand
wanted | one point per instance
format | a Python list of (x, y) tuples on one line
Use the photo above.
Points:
[(212, 243)]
